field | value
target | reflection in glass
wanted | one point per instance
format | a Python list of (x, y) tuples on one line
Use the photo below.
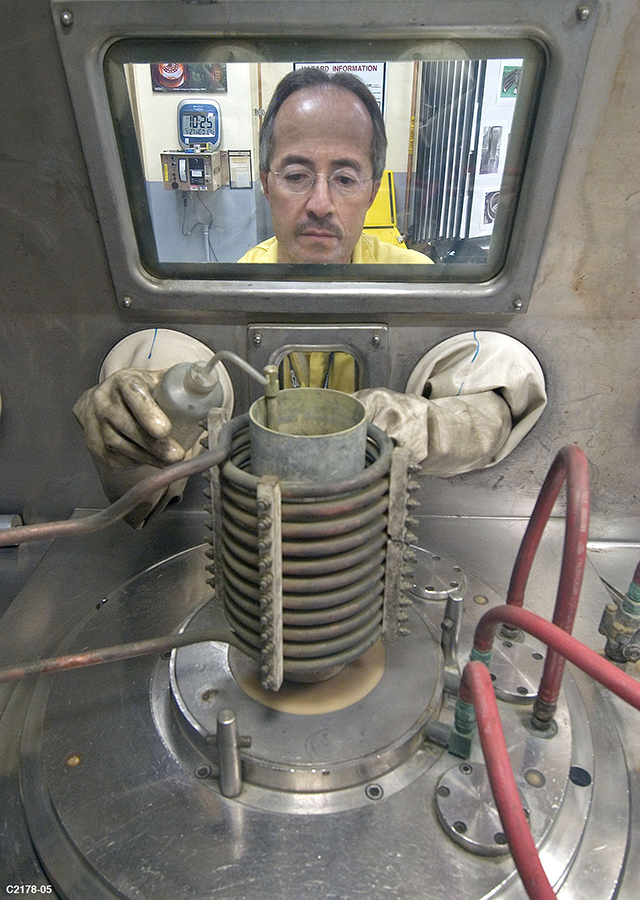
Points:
[(457, 131)]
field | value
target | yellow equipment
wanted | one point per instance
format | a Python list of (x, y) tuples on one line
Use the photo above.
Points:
[(381, 219)]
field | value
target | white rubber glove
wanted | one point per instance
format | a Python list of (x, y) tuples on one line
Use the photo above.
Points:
[(125, 430), (468, 403), (123, 424)]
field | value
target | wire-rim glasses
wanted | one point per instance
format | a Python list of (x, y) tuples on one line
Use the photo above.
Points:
[(296, 179)]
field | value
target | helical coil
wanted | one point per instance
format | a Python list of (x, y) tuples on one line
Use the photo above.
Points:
[(333, 557)]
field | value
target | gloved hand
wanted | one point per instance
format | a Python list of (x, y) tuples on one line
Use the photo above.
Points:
[(123, 425), (447, 436), (125, 430), (469, 401)]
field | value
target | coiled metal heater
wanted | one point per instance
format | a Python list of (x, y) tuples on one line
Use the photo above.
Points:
[(310, 572)]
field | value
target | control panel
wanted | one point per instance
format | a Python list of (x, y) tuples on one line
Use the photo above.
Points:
[(189, 171)]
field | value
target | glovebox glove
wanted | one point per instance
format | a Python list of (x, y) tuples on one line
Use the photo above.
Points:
[(468, 403), (124, 425), (125, 430), (447, 436)]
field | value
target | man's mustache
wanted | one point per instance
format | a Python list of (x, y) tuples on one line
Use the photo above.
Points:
[(325, 225)]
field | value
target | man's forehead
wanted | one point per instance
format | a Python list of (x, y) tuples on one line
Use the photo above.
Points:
[(336, 162), (327, 94), (329, 108)]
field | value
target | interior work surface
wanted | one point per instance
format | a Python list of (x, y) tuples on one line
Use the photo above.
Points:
[(111, 783)]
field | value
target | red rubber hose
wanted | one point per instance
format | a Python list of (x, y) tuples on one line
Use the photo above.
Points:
[(599, 668), (477, 688), (571, 465)]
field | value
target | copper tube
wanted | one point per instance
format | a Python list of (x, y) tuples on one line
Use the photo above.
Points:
[(126, 503), (116, 653)]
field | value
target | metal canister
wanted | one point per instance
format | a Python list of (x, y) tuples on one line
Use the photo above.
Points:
[(308, 435)]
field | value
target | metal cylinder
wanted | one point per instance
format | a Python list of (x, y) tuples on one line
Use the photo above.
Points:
[(230, 776), (317, 435), (9, 522)]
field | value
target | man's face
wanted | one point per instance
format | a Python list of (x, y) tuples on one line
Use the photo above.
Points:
[(325, 130)]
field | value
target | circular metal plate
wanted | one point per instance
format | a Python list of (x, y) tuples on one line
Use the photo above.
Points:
[(315, 752), (435, 577), (120, 805), (467, 811), (516, 670)]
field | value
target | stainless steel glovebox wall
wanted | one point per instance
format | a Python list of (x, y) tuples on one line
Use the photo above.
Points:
[(60, 314)]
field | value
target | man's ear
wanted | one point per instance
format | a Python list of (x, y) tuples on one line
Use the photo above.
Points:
[(375, 187), (263, 182)]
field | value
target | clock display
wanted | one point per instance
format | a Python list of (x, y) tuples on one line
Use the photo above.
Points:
[(197, 124)]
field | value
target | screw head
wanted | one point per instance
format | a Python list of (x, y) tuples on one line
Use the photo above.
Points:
[(583, 13), (73, 760), (257, 339), (127, 301), (517, 303), (66, 18)]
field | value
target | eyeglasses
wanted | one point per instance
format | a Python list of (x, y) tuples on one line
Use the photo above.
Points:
[(296, 179)]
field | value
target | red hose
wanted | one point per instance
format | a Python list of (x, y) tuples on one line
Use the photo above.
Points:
[(599, 668), (571, 465), (477, 688)]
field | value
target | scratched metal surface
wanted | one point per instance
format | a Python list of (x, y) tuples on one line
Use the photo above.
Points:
[(73, 579)]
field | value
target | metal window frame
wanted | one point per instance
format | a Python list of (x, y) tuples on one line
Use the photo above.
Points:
[(87, 28)]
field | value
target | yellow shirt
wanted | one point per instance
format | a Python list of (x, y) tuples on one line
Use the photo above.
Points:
[(369, 249), (332, 370)]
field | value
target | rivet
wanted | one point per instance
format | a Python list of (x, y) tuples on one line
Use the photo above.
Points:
[(583, 13), (73, 760), (66, 18), (127, 301), (534, 778), (517, 303)]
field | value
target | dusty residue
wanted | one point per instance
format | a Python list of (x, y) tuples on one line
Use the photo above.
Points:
[(606, 278)]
